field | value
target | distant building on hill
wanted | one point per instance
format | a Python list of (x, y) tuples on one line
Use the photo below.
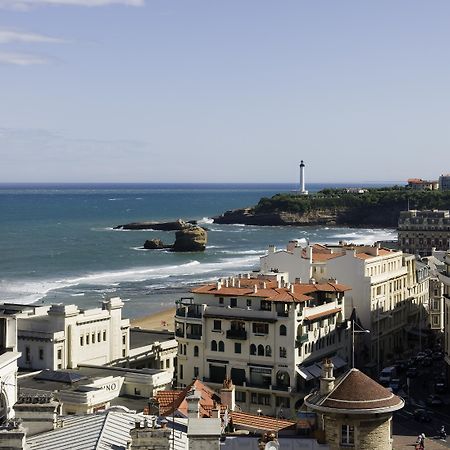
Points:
[(422, 185), (421, 232)]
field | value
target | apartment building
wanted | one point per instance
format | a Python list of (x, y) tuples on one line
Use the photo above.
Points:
[(266, 334), (444, 182), (422, 185), (445, 278), (62, 336), (419, 232), (388, 291)]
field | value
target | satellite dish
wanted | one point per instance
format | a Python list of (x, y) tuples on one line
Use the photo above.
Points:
[(272, 445)]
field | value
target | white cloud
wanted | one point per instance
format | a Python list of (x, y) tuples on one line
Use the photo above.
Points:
[(28, 4), (8, 36), (21, 59)]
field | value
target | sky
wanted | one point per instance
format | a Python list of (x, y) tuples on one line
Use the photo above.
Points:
[(224, 91)]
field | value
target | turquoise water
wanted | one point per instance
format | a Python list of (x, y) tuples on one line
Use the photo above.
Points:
[(57, 243)]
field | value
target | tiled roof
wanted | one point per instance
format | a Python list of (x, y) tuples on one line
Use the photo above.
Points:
[(267, 290), (325, 313), (358, 391), (261, 423), (170, 401)]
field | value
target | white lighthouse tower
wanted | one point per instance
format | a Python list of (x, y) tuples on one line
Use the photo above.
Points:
[(303, 191)]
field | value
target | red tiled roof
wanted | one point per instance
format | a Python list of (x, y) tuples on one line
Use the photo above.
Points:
[(261, 423), (328, 312)]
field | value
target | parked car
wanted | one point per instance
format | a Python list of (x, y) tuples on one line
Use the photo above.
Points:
[(437, 356), (412, 372), (420, 356), (422, 415), (387, 374), (401, 365), (434, 400), (426, 362), (428, 352)]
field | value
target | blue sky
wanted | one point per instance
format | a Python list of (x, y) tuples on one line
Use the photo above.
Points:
[(226, 91)]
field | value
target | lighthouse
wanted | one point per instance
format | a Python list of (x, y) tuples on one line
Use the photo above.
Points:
[(303, 191)]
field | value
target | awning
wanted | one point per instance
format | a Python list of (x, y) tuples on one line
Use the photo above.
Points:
[(338, 362), (315, 369), (304, 373)]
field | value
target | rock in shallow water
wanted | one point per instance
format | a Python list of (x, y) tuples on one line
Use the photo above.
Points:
[(192, 239)]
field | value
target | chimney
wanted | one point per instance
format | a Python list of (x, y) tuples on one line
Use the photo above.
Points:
[(218, 285), (227, 394), (193, 401), (238, 284), (309, 253), (215, 411), (255, 289), (145, 436), (226, 282), (291, 288), (271, 249), (232, 281), (278, 283), (312, 281), (327, 378), (14, 436), (298, 280)]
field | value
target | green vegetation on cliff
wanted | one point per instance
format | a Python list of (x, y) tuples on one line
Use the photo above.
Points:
[(393, 198)]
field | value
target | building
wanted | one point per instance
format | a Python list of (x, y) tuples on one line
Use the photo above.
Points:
[(8, 366), (419, 232), (444, 182), (445, 278), (62, 336), (89, 389), (355, 410), (422, 185), (264, 333), (150, 349), (387, 291)]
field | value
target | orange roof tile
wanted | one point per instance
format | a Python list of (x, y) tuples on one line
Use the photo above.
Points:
[(328, 312), (262, 423)]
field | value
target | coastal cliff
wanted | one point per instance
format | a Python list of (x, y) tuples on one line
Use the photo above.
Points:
[(369, 208)]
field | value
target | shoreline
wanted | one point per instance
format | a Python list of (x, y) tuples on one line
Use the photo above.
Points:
[(162, 320)]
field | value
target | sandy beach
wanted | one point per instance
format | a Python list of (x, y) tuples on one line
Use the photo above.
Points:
[(157, 321)]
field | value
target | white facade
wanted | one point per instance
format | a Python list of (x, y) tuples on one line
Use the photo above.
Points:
[(262, 336), (445, 278), (388, 292), (8, 366), (61, 336)]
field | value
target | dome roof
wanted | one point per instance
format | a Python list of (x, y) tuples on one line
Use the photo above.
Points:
[(355, 392)]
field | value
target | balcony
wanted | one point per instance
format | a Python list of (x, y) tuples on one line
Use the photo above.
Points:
[(179, 333), (301, 339), (193, 336), (194, 314), (236, 334), (281, 388), (180, 312)]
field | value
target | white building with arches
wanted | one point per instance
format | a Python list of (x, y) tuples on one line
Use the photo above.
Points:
[(269, 336)]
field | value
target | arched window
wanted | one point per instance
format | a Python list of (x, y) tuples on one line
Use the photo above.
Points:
[(214, 346), (283, 330), (268, 350), (196, 350), (221, 346), (253, 349), (260, 350), (283, 379)]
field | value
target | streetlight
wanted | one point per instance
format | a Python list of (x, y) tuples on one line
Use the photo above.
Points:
[(361, 330)]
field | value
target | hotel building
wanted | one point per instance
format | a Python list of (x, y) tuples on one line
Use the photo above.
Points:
[(266, 334), (388, 290)]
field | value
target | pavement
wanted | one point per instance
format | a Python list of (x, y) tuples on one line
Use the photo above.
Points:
[(409, 443)]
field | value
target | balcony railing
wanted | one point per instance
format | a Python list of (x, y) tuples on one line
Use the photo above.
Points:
[(194, 314), (301, 339), (280, 388), (194, 336), (180, 312), (236, 334)]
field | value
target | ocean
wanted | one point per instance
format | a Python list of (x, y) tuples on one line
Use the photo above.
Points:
[(57, 242)]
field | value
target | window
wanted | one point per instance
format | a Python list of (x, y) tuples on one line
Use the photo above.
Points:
[(260, 350), (59, 353), (220, 300), (283, 402), (124, 353), (241, 397), (196, 371), (196, 351), (181, 371), (87, 339), (283, 352), (213, 346), (59, 366), (254, 397), (347, 435), (99, 336), (265, 305), (260, 328), (137, 391), (27, 354), (81, 341), (221, 346), (124, 339), (233, 302), (268, 350), (217, 326), (249, 304), (104, 335), (253, 349), (237, 347), (93, 338), (41, 353), (167, 363), (283, 330)]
